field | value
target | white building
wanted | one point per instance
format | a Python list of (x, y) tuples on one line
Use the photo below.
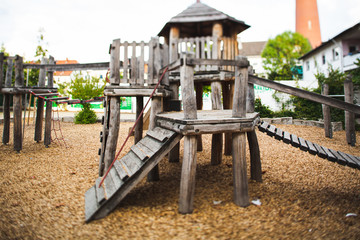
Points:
[(253, 50), (340, 52)]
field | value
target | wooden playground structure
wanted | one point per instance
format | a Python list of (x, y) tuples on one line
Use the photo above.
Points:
[(189, 58), (192, 55)]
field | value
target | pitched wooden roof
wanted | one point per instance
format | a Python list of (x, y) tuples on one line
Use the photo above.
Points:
[(198, 16), (252, 48)]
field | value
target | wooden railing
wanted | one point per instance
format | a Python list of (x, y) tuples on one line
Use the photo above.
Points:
[(139, 62)]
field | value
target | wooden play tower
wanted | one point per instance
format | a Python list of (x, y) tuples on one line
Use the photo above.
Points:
[(200, 48)]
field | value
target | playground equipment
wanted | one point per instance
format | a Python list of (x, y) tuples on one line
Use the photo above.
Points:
[(200, 48), (44, 91)]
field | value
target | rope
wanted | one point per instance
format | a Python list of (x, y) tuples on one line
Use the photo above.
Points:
[(50, 101), (132, 129)]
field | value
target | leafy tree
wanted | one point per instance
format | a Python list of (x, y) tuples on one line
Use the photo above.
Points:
[(281, 53), (41, 51), (86, 89), (356, 73)]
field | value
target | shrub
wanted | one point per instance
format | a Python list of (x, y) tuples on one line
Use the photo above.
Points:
[(86, 115)]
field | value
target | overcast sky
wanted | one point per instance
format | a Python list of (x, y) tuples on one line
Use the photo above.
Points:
[(83, 29)]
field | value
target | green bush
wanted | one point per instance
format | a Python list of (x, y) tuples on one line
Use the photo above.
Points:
[(86, 115), (263, 110)]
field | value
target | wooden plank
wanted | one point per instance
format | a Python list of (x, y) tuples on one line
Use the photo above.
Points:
[(141, 64), (241, 84), (116, 178), (349, 161), (160, 134), (329, 154), (47, 131), (69, 67), (149, 146), (320, 151), (303, 145), (271, 130), (339, 158), (188, 89), (279, 134), (287, 137), (139, 152), (131, 163), (6, 128), (263, 127), (217, 139), (100, 191), (1, 69), (312, 150), (294, 141), (126, 62), (109, 187), (305, 94), (91, 204), (17, 104), (138, 132), (355, 160), (120, 170)]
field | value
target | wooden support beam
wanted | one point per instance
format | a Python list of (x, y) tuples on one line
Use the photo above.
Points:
[(305, 94), (199, 105), (326, 113), (255, 161), (1, 69), (40, 106), (217, 139), (241, 194), (139, 127), (17, 104), (8, 78), (188, 172), (227, 105), (48, 111), (114, 60), (349, 116)]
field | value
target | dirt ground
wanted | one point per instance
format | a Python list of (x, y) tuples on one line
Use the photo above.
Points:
[(302, 196)]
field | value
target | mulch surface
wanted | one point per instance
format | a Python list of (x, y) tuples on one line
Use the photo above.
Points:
[(302, 196)]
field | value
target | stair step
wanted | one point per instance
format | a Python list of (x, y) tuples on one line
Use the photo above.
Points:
[(131, 163), (109, 186), (116, 178), (160, 134), (263, 126), (91, 204), (349, 161), (120, 170), (339, 158), (149, 145), (139, 152), (100, 192)]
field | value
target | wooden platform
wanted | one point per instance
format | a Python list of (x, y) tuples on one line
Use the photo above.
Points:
[(133, 91), (213, 121)]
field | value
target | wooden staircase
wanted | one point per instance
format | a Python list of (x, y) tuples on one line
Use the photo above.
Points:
[(128, 171)]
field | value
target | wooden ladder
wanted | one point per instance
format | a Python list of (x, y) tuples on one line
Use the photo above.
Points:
[(128, 171)]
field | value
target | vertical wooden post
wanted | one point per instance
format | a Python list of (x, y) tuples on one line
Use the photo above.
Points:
[(8, 77), (114, 108), (139, 127), (227, 105), (48, 111), (349, 116), (255, 161), (156, 107), (17, 104), (1, 69), (241, 194), (173, 56), (40, 105), (188, 171), (199, 106), (217, 139), (326, 113)]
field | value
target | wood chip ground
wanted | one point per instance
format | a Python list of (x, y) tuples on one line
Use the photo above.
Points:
[(302, 196)]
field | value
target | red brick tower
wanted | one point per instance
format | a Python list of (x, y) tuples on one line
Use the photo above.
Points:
[(307, 21)]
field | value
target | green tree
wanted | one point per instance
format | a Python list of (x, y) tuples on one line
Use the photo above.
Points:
[(86, 89), (281, 53), (41, 51)]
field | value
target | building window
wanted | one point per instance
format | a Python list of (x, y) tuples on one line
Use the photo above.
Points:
[(335, 53), (323, 59), (307, 65), (352, 50)]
